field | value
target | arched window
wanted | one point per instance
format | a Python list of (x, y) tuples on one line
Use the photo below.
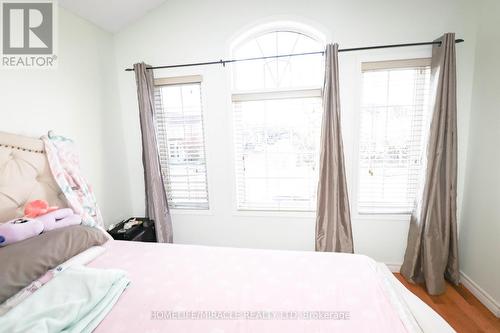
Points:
[(277, 117), (278, 73)]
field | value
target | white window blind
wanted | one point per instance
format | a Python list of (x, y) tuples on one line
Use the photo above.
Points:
[(277, 122), (179, 129), (277, 143), (394, 116)]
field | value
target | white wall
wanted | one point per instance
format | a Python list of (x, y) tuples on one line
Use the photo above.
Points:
[(480, 229), (70, 99), (190, 31)]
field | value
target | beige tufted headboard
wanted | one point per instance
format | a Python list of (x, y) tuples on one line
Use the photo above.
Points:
[(24, 176)]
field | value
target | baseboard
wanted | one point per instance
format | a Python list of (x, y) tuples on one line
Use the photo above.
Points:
[(394, 268), (480, 294)]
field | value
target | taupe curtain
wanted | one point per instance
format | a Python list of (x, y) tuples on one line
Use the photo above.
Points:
[(333, 219), (432, 251), (156, 198)]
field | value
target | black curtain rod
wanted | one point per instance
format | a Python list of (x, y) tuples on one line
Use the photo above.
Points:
[(224, 62)]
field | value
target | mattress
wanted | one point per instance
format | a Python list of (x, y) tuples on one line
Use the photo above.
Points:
[(186, 288)]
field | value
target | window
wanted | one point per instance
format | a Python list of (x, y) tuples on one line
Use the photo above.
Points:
[(393, 117), (277, 122), (179, 128)]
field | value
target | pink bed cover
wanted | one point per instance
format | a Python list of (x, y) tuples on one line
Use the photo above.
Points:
[(245, 287)]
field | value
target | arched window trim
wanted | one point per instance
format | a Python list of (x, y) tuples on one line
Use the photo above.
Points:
[(273, 27), (277, 26)]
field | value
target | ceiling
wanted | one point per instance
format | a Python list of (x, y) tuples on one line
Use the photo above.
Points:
[(111, 15)]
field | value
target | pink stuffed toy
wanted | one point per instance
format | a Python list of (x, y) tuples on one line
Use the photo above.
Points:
[(19, 229), (37, 208), (39, 218), (59, 218), (51, 216)]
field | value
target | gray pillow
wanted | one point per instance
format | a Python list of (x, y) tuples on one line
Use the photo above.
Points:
[(23, 262)]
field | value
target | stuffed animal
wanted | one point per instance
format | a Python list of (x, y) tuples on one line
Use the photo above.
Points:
[(37, 208), (19, 229), (39, 218), (59, 218)]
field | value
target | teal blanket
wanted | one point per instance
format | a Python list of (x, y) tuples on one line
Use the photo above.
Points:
[(76, 300)]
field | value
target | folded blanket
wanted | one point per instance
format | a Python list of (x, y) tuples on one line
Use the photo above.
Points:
[(82, 258), (75, 301)]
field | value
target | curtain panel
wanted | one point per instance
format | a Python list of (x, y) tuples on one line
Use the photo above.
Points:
[(156, 197), (432, 250), (333, 219)]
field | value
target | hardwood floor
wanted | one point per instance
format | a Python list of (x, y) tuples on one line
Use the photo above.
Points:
[(458, 307)]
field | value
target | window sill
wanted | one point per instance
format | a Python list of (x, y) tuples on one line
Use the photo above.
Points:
[(270, 213), (382, 217), (197, 212), (292, 214)]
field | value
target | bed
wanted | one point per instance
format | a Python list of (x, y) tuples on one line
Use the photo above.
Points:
[(189, 288)]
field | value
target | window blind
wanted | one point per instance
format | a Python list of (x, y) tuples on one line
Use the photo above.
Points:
[(181, 143), (277, 144), (394, 119)]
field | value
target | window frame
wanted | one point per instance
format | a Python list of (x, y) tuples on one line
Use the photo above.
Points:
[(397, 57), (237, 95), (167, 80)]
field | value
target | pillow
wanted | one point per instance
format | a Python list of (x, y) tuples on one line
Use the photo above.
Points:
[(23, 262)]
